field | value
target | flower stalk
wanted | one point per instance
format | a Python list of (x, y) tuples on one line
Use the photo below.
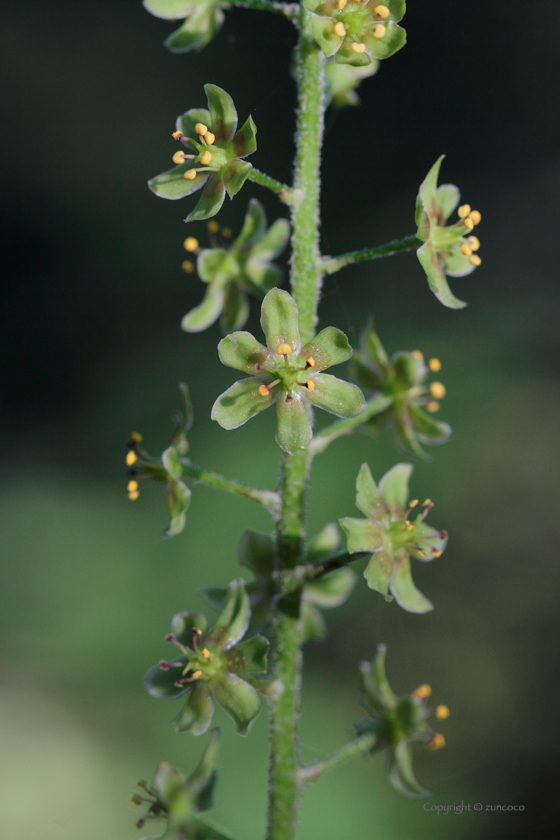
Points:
[(330, 265)]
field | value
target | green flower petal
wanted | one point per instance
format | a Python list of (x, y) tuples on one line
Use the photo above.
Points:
[(172, 185), (210, 263), (324, 34), (294, 425), (273, 242), (428, 189), (393, 40), (330, 347), (378, 572), (374, 350), (323, 544), (245, 140), (240, 700), (223, 116), (447, 199), (168, 782), (409, 370), (187, 121), (202, 780), (197, 31), (377, 694), (160, 683), (331, 590), (401, 773), (241, 402), (279, 320), (362, 534), (236, 309), (437, 281), (214, 596), (235, 175), (210, 201), (232, 624), (183, 625), (457, 264), (397, 9), (429, 539), (242, 351), (404, 432), (257, 552), (394, 487), (254, 226), (404, 590), (346, 55), (169, 9), (260, 277), (335, 395), (426, 428), (313, 625), (368, 498), (178, 502), (198, 711), (203, 315), (249, 657)]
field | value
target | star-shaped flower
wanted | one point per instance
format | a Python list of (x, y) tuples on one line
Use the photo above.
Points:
[(392, 535), (447, 249), (358, 31), (213, 160), (233, 272), (210, 664), (285, 373), (203, 19)]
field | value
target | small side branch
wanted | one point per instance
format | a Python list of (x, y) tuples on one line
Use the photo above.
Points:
[(353, 749), (346, 427), (267, 498), (330, 265), (283, 191), (211, 831), (287, 10)]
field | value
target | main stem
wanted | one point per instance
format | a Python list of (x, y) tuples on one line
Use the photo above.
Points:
[(306, 287)]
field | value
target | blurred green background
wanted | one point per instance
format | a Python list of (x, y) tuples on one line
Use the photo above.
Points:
[(93, 295)]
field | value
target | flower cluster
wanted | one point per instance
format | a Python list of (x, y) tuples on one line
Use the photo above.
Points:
[(397, 722), (358, 31), (399, 386), (393, 535), (285, 373), (214, 158), (447, 249), (210, 666), (232, 269), (203, 19)]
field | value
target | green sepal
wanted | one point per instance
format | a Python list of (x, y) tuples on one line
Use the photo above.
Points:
[(432, 265), (394, 487), (254, 226), (232, 624), (393, 40), (337, 396), (401, 774), (342, 79), (203, 315), (160, 684), (168, 782), (261, 277), (240, 700), (241, 402), (245, 140), (447, 199), (211, 199), (187, 121), (223, 116), (428, 539), (427, 200), (279, 320), (256, 552), (214, 596), (172, 185), (332, 590), (178, 501), (330, 347), (236, 308), (184, 624), (243, 352), (406, 594), (426, 428), (379, 571), (362, 534), (313, 624), (324, 34), (210, 263), (197, 31), (235, 175), (249, 656), (457, 264), (409, 370), (373, 348), (196, 715), (272, 243), (377, 694), (169, 9), (323, 544), (346, 55), (183, 419), (294, 430), (368, 497), (202, 780)]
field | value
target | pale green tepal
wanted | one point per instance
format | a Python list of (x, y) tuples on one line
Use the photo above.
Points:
[(341, 81), (285, 373), (392, 535), (213, 160), (203, 19), (448, 249)]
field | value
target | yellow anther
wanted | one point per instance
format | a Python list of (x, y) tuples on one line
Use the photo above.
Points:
[(437, 390), (427, 502), (358, 47), (189, 175), (379, 30), (284, 349), (206, 653), (422, 692), (442, 712), (382, 11), (206, 158), (466, 249), (418, 355), (437, 742), (468, 222), (263, 390), (310, 361), (475, 216), (202, 130), (135, 438), (132, 486), (475, 260), (340, 29), (179, 157), (310, 384), (177, 134), (227, 232), (421, 552), (432, 406), (209, 138), (436, 552), (464, 211), (133, 495), (131, 458), (341, 4), (434, 365), (187, 266), (409, 525), (196, 675), (197, 630), (474, 242), (190, 243), (413, 504), (213, 227)]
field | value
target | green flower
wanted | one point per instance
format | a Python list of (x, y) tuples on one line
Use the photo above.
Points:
[(285, 373), (257, 552), (203, 19), (399, 385), (397, 722), (342, 80), (231, 272), (180, 799), (167, 469), (391, 534), (357, 31), (210, 664), (216, 163), (447, 249)]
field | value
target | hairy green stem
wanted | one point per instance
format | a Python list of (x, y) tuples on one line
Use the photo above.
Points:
[(283, 191), (346, 427), (330, 265), (353, 749), (288, 10), (267, 498)]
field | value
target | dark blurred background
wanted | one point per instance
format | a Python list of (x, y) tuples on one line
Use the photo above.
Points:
[(93, 294)]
